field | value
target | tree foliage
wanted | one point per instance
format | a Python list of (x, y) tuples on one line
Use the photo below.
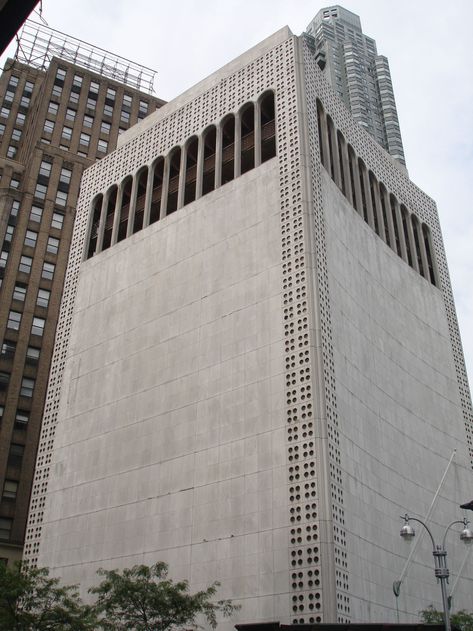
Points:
[(30, 600), (461, 619), (143, 598)]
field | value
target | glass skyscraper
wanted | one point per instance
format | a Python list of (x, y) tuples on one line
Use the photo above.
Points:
[(359, 75)]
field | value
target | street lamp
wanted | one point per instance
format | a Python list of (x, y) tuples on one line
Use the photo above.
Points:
[(440, 555)]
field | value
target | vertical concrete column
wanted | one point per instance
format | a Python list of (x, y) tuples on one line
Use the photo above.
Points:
[(218, 156), (379, 209), (237, 146), (257, 111), (325, 142), (412, 243), (131, 214), (118, 213), (356, 179), (103, 219), (400, 231), (149, 196), (200, 167), (165, 187), (337, 175), (369, 204), (389, 218), (182, 177), (346, 172)]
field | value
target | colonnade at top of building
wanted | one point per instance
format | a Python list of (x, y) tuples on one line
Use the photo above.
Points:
[(400, 229), (238, 143)]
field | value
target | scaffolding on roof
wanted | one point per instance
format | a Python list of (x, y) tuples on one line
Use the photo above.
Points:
[(38, 44)]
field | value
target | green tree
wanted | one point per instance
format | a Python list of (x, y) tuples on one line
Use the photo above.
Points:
[(461, 619), (32, 601), (143, 598)]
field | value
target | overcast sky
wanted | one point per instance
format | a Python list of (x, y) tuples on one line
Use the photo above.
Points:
[(427, 42)]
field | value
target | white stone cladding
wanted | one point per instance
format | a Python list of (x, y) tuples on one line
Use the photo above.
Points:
[(212, 371)]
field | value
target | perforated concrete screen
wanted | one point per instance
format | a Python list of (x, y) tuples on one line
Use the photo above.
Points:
[(256, 386)]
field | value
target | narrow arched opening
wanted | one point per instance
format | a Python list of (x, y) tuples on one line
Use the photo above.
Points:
[(383, 194), (418, 244), (396, 226), (209, 138), (320, 113), (352, 170), (190, 180), (96, 210), (228, 149), (429, 253), (247, 137), (372, 183), (174, 168), (268, 126), (110, 214), (364, 192), (141, 185), (405, 221), (124, 209), (158, 173), (332, 150), (341, 144)]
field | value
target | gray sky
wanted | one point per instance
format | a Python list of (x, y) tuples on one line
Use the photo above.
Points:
[(428, 46)]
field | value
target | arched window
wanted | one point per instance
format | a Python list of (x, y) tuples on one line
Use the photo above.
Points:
[(373, 192), (142, 180), (418, 245), (247, 137), (209, 138), (174, 168), (96, 210), (353, 174), (429, 253), (320, 113), (383, 194), (332, 149), (364, 192), (405, 221), (124, 209), (110, 214), (397, 228), (228, 149), (158, 172), (268, 126), (341, 144), (191, 170)]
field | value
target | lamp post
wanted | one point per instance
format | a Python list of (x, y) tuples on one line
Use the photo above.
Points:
[(440, 555)]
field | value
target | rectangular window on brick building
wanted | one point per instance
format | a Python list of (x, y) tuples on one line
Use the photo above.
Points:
[(5, 528), (27, 387), (48, 270), (10, 489), (22, 418), (57, 221), (15, 456), (43, 298), (37, 326), (14, 320), (25, 264)]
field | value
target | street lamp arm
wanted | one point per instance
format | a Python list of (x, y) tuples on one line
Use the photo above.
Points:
[(457, 521), (419, 521)]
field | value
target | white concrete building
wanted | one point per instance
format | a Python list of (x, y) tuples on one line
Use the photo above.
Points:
[(258, 367)]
